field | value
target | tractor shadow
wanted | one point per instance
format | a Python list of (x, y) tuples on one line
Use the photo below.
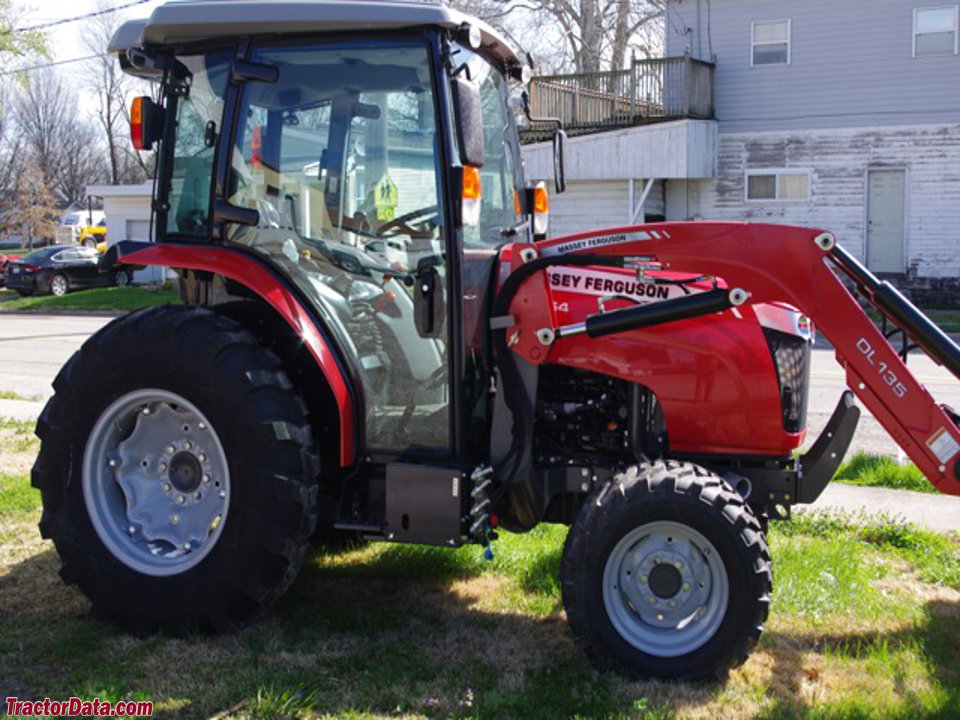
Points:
[(401, 632)]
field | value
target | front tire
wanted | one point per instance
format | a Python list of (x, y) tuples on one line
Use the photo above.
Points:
[(666, 574), (59, 285), (177, 473)]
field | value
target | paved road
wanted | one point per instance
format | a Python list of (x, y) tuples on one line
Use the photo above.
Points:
[(32, 350), (33, 347)]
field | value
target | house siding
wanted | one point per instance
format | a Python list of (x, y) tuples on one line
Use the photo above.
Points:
[(589, 205), (839, 160), (851, 64)]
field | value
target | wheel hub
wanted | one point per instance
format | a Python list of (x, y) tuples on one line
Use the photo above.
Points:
[(156, 482), (185, 472), (665, 581)]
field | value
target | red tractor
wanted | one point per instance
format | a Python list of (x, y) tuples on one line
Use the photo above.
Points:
[(646, 386)]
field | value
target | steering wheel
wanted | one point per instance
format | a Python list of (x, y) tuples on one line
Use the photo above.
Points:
[(402, 223)]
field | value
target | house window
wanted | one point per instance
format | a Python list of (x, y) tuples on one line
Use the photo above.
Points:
[(770, 43), (935, 31), (778, 185)]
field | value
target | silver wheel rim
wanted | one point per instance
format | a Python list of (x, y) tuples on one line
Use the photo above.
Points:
[(121, 279), (156, 482), (58, 286), (665, 589)]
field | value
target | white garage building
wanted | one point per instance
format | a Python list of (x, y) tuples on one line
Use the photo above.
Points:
[(127, 208)]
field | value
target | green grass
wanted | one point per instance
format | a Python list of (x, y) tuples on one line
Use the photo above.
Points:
[(95, 299), (11, 395), (865, 623), (946, 320), (882, 471)]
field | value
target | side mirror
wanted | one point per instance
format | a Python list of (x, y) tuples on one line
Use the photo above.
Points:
[(469, 120), (559, 174)]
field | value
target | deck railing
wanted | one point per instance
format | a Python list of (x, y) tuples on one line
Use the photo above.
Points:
[(648, 91)]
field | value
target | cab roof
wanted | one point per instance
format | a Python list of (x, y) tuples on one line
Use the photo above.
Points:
[(179, 22)]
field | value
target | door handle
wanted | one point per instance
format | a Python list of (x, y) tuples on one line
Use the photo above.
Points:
[(428, 302)]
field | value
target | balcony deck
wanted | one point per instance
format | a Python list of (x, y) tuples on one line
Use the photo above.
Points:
[(649, 91)]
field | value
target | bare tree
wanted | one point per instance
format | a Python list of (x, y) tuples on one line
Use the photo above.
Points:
[(62, 145), (596, 35), (113, 90)]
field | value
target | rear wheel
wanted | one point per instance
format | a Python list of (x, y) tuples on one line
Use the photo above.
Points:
[(666, 574), (59, 285), (121, 278), (177, 472)]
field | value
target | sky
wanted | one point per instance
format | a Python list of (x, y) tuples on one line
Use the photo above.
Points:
[(66, 41)]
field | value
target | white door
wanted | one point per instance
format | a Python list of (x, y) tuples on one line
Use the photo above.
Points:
[(886, 214)]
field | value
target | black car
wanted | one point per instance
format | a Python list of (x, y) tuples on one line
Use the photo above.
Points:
[(59, 269)]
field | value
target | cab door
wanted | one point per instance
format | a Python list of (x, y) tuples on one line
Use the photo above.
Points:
[(338, 156)]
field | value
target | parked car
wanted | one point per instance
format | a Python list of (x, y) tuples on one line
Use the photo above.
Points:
[(3, 269), (59, 269)]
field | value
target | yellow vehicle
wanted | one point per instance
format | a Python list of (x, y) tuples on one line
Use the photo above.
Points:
[(94, 236)]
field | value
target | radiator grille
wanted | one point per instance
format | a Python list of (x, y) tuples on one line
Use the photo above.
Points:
[(791, 357)]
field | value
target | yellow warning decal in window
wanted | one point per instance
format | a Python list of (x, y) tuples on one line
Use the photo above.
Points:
[(385, 197)]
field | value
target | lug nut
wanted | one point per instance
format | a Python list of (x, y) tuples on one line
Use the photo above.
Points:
[(198, 495), (113, 463), (686, 586), (201, 457), (678, 565), (222, 494), (174, 519), (202, 426), (146, 409), (170, 449), (652, 601), (166, 487), (659, 616), (186, 546), (187, 444), (673, 603), (162, 467), (181, 499), (132, 530), (643, 579), (206, 478)]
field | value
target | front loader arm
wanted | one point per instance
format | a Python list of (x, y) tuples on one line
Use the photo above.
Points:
[(771, 263)]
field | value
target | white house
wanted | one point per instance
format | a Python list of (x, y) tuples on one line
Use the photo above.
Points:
[(127, 209), (829, 113)]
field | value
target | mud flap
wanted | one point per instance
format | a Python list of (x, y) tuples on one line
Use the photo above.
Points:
[(819, 464)]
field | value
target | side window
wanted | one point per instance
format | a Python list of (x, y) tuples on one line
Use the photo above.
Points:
[(935, 31), (770, 43), (199, 114)]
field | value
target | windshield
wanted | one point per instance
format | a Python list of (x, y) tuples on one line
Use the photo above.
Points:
[(500, 175)]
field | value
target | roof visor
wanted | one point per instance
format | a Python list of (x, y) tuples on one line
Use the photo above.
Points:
[(190, 21)]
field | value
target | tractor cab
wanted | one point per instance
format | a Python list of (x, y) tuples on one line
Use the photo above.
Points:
[(365, 152)]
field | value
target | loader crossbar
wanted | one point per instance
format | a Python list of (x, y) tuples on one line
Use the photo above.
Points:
[(774, 264)]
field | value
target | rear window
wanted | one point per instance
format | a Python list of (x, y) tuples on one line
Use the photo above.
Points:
[(39, 255)]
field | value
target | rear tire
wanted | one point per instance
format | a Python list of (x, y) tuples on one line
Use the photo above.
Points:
[(666, 574), (240, 487), (121, 278)]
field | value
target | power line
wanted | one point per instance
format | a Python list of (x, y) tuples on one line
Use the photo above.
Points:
[(42, 66), (64, 21)]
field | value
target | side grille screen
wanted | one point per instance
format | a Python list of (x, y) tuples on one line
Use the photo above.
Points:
[(791, 356)]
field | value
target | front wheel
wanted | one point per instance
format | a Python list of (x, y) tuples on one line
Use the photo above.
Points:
[(177, 472), (59, 285), (666, 574)]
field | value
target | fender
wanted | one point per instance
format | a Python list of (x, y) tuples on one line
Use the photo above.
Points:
[(260, 280)]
